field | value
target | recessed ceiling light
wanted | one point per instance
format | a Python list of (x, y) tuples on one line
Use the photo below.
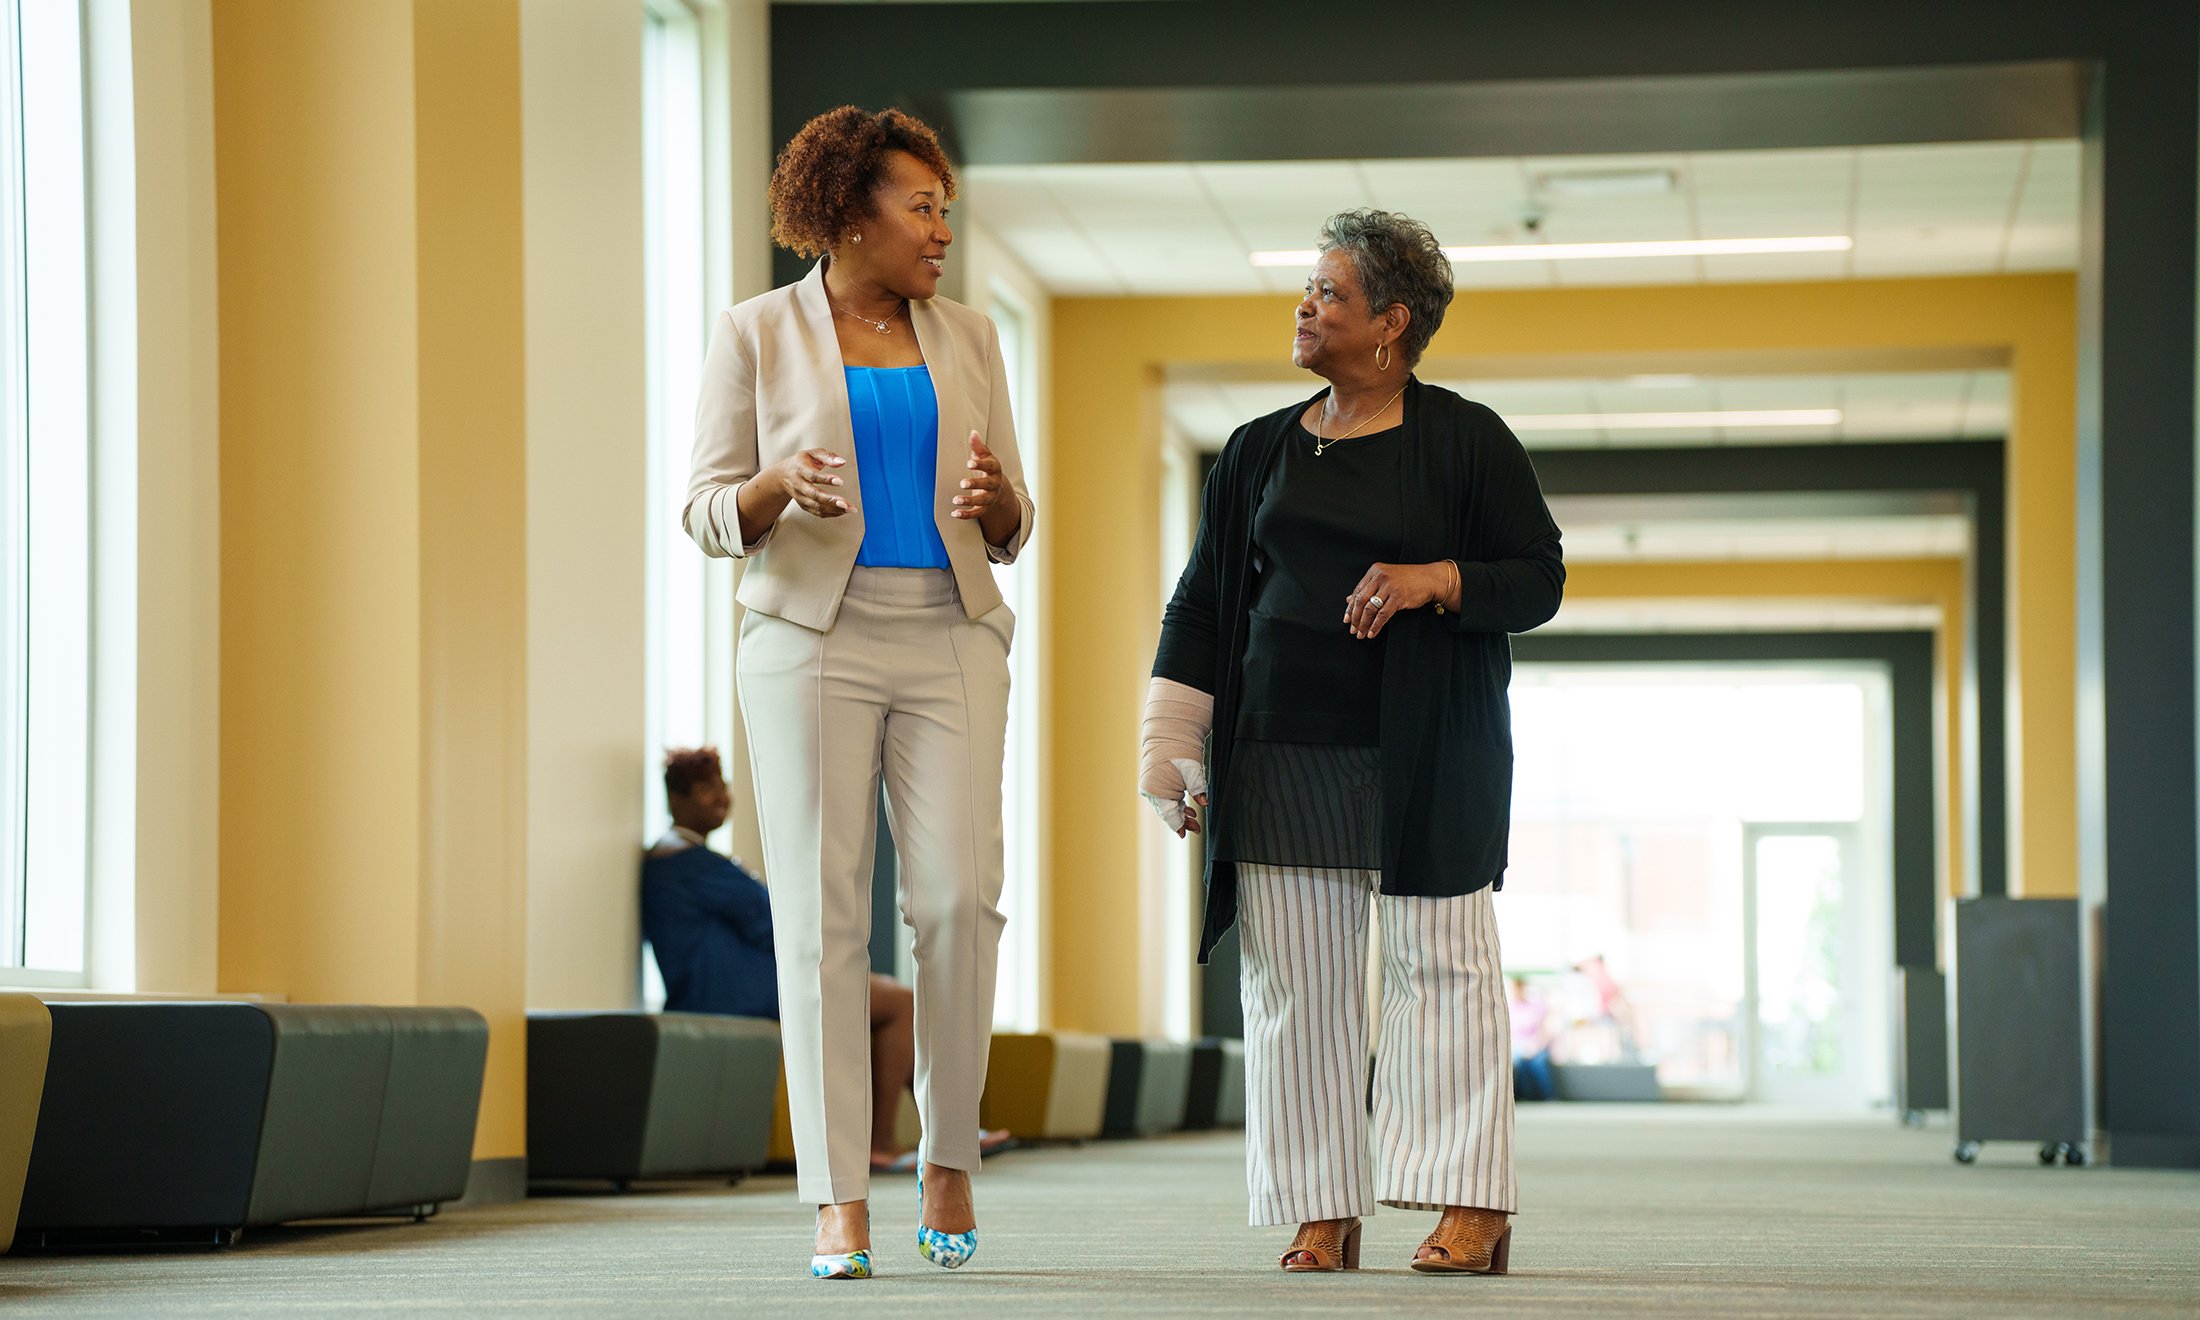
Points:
[(1673, 421), (1677, 247)]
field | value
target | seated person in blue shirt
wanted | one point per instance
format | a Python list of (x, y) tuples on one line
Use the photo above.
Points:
[(710, 923)]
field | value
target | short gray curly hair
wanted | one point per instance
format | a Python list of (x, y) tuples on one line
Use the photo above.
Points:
[(1399, 261)]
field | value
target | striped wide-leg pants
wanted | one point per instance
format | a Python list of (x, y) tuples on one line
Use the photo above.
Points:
[(1443, 1111)]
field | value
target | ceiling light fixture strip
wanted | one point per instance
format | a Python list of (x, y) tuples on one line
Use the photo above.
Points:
[(1673, 421), (1679, 247)]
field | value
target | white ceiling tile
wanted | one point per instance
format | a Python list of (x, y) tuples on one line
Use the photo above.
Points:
[(1065, 260), (1626, 271), (2042, 245), (1758, 392), (1504, 275), (1527, 397), (1788, 267), (1919, 210)]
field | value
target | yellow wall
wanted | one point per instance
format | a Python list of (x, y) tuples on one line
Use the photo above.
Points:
[(589, 496), (1939, 583), (1104, 453), (367, 161)]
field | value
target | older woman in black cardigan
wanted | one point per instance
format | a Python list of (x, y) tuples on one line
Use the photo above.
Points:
[(1332, 674)]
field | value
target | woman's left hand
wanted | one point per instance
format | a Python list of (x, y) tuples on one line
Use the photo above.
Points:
[(981, 483), (1386, 589)]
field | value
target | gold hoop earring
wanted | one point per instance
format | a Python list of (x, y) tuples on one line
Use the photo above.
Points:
[(1382, 357)]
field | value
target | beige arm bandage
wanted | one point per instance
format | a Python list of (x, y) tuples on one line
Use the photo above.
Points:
[(1172, 748)]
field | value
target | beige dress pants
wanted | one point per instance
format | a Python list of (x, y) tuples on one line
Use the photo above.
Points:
[(1443, 1123), (904, 687)]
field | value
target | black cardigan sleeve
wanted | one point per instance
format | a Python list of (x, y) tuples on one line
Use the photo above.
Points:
[(1513, 576), (1190, 629)]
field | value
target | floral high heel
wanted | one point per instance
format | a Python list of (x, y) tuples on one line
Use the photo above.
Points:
[(946, 1250), (841, 1265)]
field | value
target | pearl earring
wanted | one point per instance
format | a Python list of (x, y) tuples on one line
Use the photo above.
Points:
[(855, 238)]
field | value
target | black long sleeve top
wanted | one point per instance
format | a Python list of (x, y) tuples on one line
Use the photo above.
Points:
[(1466, 492)]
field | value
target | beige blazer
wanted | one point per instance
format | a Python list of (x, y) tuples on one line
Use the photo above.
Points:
[(773, 386)]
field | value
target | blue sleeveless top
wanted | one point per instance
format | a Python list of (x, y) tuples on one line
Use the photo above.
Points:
[(897, 430)]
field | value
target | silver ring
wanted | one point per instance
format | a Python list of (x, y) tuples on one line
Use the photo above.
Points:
[(1376, 601)]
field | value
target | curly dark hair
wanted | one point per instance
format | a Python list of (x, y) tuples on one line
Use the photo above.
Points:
[(1399, 261), (686, 767), (824, 178)]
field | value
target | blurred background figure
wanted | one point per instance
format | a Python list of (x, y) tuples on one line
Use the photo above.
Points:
[(1534, 1027), (1612, 1013)]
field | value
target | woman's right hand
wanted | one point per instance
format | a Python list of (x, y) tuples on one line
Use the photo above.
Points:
[(1171, 747), (810, 480)]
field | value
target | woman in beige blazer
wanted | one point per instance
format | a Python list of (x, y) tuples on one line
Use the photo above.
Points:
[(853, 443)]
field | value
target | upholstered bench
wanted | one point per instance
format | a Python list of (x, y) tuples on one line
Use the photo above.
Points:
[(1215, 1093), (1147, 1084), (1047, 1086), (627, 1096), (213, 1117), (1623, 1082), (26, 1029)]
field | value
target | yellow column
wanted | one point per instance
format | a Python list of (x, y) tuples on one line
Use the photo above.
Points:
[(368, 204)]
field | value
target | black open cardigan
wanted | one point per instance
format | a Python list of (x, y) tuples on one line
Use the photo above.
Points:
[(1468, 493)]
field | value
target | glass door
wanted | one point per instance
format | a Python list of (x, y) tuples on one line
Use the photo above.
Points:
[(1804, 945)]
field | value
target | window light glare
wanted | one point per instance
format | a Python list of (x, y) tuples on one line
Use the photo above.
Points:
[(1677, 247), (1673, 421)]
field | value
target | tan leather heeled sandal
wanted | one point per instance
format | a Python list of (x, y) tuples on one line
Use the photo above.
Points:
[(1471, 1242), (1325, 1245)]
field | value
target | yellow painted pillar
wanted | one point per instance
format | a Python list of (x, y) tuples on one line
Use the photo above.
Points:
[(367, 161), (2043, 606)]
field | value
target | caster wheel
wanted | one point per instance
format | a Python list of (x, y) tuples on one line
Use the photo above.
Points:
[(1966, 1152), (2074, 1157), (2051, 1151)]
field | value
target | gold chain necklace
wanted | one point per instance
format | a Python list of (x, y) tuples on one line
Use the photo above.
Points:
[(1321, 443)]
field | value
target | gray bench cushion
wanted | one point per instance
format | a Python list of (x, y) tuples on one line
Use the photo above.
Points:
[(648, 1095), (224, 1115)]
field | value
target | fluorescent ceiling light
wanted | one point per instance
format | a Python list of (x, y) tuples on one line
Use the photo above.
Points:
[(1673, 421), (1678, 247)]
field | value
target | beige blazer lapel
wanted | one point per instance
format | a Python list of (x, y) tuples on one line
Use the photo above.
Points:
[(828, 383)]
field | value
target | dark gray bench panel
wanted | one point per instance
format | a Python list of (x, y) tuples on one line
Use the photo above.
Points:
[(226, 1115), (151, 1116), (637, 1095)]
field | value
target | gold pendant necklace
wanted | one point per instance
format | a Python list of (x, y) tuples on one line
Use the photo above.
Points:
[(1321, 443)]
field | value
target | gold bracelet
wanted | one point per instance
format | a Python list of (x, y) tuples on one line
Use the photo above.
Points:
[(1458, 583)]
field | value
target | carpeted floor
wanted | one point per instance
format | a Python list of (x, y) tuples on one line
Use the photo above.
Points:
[(1674, 1211)]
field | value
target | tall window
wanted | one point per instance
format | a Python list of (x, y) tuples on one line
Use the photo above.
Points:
[(1016, 993), (672, 125), (672, 181), (44, 495)]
